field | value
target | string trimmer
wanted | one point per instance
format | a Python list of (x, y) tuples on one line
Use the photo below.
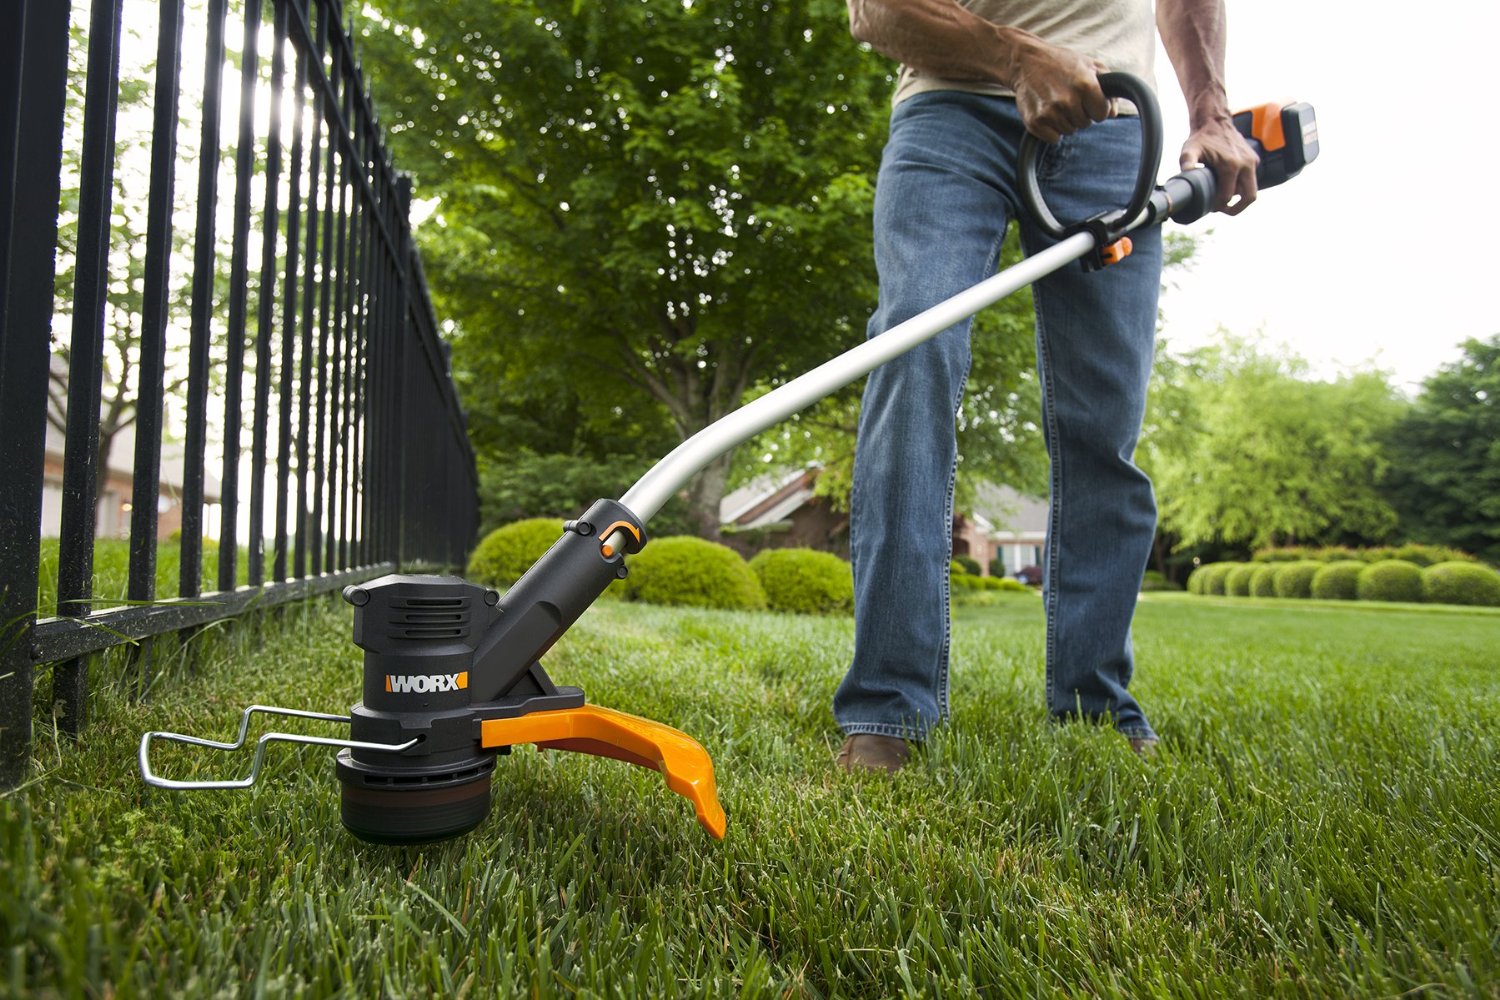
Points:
[(452, 671)]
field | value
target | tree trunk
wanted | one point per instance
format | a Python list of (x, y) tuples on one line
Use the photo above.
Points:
[(705, 491)]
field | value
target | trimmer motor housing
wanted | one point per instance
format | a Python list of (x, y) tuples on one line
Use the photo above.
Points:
[(420, 635), (441, 656)]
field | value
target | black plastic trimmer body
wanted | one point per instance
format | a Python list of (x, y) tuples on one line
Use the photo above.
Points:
[(441, 656)]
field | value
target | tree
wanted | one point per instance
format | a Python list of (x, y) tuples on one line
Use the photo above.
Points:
[(1246, 449), (644, 209), (1444, 480)]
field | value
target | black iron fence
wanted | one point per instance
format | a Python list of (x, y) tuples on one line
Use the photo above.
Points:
[(268, 330)]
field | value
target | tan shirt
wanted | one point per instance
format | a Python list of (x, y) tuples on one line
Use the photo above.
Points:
[(1119, 33)]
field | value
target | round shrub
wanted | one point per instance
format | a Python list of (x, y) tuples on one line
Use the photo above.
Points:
[(693, 572), (1237, 580), (1337, 581), (1295, 579), (1390, 580), (970, 565), (1263, 581), (805, 581), (1460, 582), (1214, 575), (1195, 579), (1154, 581), (508, 551)]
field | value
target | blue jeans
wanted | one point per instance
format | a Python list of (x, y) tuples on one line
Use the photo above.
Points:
[(946, 193)]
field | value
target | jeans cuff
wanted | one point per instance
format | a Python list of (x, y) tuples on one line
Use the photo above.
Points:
[(1136, 732), (909, 733)]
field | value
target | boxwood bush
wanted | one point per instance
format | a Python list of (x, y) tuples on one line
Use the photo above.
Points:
[(1196, 577), (1458, 582), (505, 553), (970, 565), (1237, 580), (1390, 580), (1338, 581), (1263, 581), (693, 572), (805, 581), (1214, 576), (1294, 579)]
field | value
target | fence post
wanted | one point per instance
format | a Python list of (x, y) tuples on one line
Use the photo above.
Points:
[(33, 86), (81, 466), (404, 327)]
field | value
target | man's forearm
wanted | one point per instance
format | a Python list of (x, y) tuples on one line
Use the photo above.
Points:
[(938, 38), (1193, 33), (1057, 91)]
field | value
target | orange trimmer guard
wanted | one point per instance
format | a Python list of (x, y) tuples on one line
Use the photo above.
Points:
[(603, 732)]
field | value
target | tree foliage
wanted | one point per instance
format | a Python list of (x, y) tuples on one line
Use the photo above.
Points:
[(643, 209), (1445, 455), (1246, 449)]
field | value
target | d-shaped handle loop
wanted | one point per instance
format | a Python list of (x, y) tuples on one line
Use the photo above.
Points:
[(1135, 90)]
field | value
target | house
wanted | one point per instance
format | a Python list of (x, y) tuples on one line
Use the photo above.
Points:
[(113, 511), (1014, 528), (782, 511)]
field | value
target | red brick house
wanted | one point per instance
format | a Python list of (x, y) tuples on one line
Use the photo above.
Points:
[(782, 512)]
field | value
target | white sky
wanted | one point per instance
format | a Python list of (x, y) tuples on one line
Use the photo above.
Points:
[(1384, 248)]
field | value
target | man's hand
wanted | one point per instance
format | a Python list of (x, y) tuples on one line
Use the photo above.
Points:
[(1057, 90), (1218, 145)]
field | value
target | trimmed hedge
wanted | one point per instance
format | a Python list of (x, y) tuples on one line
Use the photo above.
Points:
[(1294, 579), (970, 565), (1461, 583), (1237, 580), (1214, 576), (805, 581), (508, 551), (1263, 581), (1454, 581), (1390, 580), (693, 572), (1338, 581)]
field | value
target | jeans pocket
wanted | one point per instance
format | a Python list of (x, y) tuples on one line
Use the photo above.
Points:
[(1054, 158)]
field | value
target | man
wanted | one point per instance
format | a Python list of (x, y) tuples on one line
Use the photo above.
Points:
[(975, 74)]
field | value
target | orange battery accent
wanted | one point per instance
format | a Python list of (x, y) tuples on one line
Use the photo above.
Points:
[(1265, 126), (603, 732), (1116, 251)]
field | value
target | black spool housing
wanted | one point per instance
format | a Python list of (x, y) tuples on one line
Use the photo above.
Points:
[(442, 654)]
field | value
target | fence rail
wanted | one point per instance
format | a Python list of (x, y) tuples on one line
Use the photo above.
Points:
[(311, 376)]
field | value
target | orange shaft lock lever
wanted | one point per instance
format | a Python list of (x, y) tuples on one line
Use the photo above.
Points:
[(603, 732)]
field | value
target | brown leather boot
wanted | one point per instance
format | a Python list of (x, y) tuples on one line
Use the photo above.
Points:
[(1143, 747), (869, 752)]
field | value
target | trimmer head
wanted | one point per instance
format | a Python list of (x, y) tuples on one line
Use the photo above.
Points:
[(453, 678)]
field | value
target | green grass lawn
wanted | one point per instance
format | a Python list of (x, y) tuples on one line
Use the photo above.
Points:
[(1321, 820)]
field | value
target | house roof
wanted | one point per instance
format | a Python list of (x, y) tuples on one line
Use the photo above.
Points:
[(999, 511), (768, 499), (1009, 512)]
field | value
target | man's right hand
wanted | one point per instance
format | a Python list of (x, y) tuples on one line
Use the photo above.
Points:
[(1057, 90)]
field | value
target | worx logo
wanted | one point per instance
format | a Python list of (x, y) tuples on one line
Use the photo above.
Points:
[(426, 683)]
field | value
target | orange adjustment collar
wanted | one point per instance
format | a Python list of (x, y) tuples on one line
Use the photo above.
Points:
[(603, 732)]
